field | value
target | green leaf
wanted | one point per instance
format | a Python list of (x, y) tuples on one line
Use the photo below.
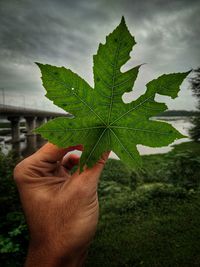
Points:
[(102, 121)]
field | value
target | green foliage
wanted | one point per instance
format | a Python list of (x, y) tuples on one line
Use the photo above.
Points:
[(13, 229), (192, 147), (101, 120), (178, 113), (125, 200), (195, 86), (116, 170), (195, 130), (156, 226), (117, 177), (159, 167), (145, 218), (136, 178), (195, 83), (182, 170)]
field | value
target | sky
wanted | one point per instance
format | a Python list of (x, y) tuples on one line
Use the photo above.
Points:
[(67, 33)]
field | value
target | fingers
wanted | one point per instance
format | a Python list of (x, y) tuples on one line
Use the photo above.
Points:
[(51, 153), (90, 176), (98, 167), (70, 161), (94, 173)]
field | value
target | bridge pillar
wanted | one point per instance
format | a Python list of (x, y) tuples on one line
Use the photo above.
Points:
[(15, 133), (39, 122), (15, 130), (30, 125), (31, 137)]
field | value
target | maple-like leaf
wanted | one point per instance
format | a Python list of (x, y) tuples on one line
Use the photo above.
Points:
[(101, 120)]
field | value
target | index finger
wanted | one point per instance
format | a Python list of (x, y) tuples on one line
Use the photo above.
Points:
[(51, 153)]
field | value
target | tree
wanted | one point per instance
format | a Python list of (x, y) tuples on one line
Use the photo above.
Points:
[(195, 86)]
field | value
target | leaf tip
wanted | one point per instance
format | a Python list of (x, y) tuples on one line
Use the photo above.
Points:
[(123, 20), (39, 64), (182, 136), (189, 71)]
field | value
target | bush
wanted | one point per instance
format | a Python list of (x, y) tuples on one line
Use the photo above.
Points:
[(141, 224), (157, 225), (195, 130), (182, 169), (13, 229), (117, 171)]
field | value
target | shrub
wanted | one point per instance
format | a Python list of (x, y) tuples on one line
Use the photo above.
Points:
[(182, 169), (13, 229), (117, 171)]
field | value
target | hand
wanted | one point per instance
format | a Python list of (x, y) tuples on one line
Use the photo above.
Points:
[(61, 209)]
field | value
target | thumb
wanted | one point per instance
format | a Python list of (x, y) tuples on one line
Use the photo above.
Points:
[(98, 167), (94, 173), (91, 176)]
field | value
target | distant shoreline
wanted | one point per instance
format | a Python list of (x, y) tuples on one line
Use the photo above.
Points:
[(178, 113)]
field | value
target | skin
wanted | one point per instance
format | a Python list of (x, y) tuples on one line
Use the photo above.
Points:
[(61, 209)]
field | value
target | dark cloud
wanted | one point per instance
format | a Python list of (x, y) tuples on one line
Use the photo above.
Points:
[(67, 33)]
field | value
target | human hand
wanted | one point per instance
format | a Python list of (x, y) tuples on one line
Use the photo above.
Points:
[(61, 209)]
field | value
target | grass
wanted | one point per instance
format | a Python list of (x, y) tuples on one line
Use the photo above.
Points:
[(157, 225), (163, 233)]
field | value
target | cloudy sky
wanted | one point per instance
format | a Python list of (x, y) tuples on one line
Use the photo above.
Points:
[(67, 33)]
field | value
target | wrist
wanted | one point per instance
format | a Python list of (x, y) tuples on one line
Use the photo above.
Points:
[(42, 257)]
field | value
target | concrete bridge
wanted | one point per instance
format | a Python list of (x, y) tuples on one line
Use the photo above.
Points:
[(33, 118)]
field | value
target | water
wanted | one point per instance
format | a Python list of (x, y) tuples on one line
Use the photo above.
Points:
[(182, 124)]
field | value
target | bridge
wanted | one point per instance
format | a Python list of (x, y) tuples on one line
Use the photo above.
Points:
[(33, 118)]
